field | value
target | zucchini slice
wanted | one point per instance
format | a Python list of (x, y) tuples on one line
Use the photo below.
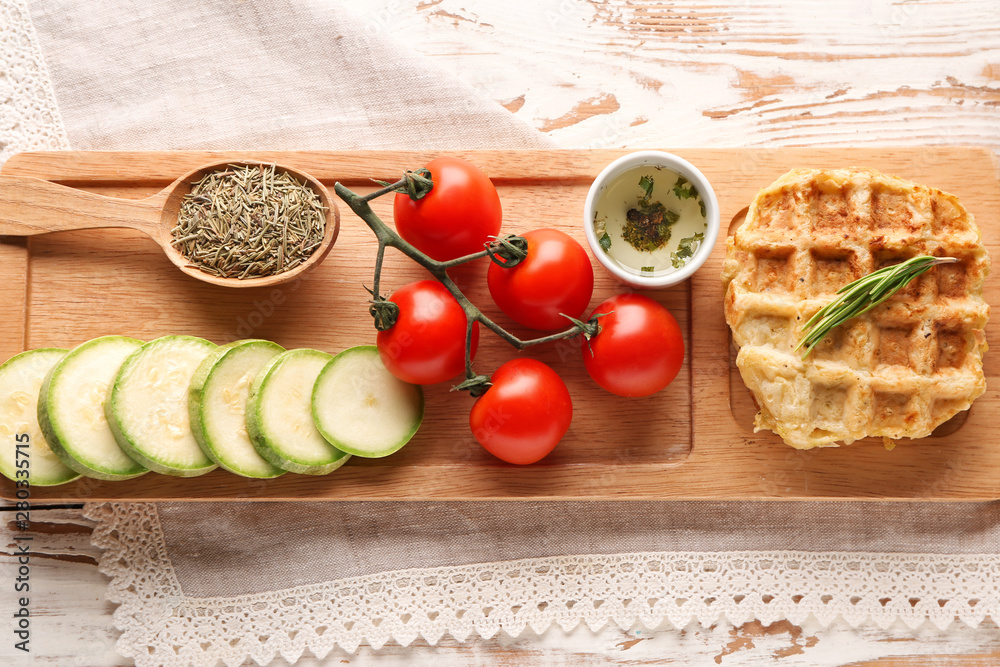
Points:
[(147, 408), (24, 454), (361, 408), (71, 409), (279, 415), (217, 402)]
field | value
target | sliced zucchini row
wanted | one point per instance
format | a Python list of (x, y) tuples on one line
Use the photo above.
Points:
[(279, 415), (24, 454), (71, 409), (148, 406), (217, 401), (361, 408)]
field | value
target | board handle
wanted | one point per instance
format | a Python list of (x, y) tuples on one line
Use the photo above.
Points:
[(30, 206)]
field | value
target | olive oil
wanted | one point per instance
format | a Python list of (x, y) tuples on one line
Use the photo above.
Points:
[(641, 248)]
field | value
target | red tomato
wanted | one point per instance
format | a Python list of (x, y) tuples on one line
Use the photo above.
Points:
[(639, 348), (456, 217), (524, 415), (556, 277), (426, 345)]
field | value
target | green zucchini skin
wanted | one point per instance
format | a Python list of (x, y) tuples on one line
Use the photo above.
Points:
[(341, 443), (114, 407), (54, 432), (201, 381), (265, 441), (60, 473)]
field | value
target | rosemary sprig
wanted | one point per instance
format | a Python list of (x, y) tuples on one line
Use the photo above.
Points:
[(863, 294)]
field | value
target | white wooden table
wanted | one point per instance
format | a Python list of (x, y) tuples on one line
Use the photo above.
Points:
[(632, 73)]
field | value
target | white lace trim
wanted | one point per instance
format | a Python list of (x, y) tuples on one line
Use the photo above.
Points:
[(29, 117), (162, 626)]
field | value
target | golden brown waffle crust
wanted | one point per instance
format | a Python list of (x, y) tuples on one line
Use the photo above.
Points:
[(898, 371)]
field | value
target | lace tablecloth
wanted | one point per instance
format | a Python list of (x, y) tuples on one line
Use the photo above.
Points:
[(194, 581), (348, 573)]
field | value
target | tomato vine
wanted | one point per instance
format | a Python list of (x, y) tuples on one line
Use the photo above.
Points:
[(506, 251)]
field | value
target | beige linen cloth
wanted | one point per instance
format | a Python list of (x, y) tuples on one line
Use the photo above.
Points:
[(197, 583)]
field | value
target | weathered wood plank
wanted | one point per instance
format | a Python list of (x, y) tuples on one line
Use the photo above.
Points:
[(727, 74)]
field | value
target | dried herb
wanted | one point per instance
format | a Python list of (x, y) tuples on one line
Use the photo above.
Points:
[(647, 269), (249, 221), (860, 296), (648, 228)]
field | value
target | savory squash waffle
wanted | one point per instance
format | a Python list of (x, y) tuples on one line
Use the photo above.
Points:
[(899, 370)]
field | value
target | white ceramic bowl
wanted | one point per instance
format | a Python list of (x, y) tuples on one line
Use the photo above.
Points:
[(653, 159)]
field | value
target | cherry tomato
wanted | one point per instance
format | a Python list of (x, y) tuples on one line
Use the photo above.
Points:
[(456, 217), (524, 415), (555, 278), (639, 348), (426, 345)]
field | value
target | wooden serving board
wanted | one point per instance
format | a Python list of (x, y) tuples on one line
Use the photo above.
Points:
[(693, 440)]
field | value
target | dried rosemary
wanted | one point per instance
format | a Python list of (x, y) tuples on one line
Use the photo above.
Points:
[(863, 294), (249, 221)]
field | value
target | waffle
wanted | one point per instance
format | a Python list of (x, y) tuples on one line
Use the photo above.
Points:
[(899, 370)]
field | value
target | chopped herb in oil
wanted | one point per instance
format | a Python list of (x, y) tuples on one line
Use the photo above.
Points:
[(605, 242), (685, 250), (684, 189), (646, 183), (647, 226)]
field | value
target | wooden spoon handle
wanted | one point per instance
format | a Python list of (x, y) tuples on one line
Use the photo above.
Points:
[(30, 206)]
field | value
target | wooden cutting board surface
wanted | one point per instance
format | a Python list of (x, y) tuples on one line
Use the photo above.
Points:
[(693, 440)]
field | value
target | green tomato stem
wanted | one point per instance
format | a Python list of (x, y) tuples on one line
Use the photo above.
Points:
[(378, 270)]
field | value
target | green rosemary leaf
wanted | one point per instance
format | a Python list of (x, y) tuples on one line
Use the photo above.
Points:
[(858, 297)]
